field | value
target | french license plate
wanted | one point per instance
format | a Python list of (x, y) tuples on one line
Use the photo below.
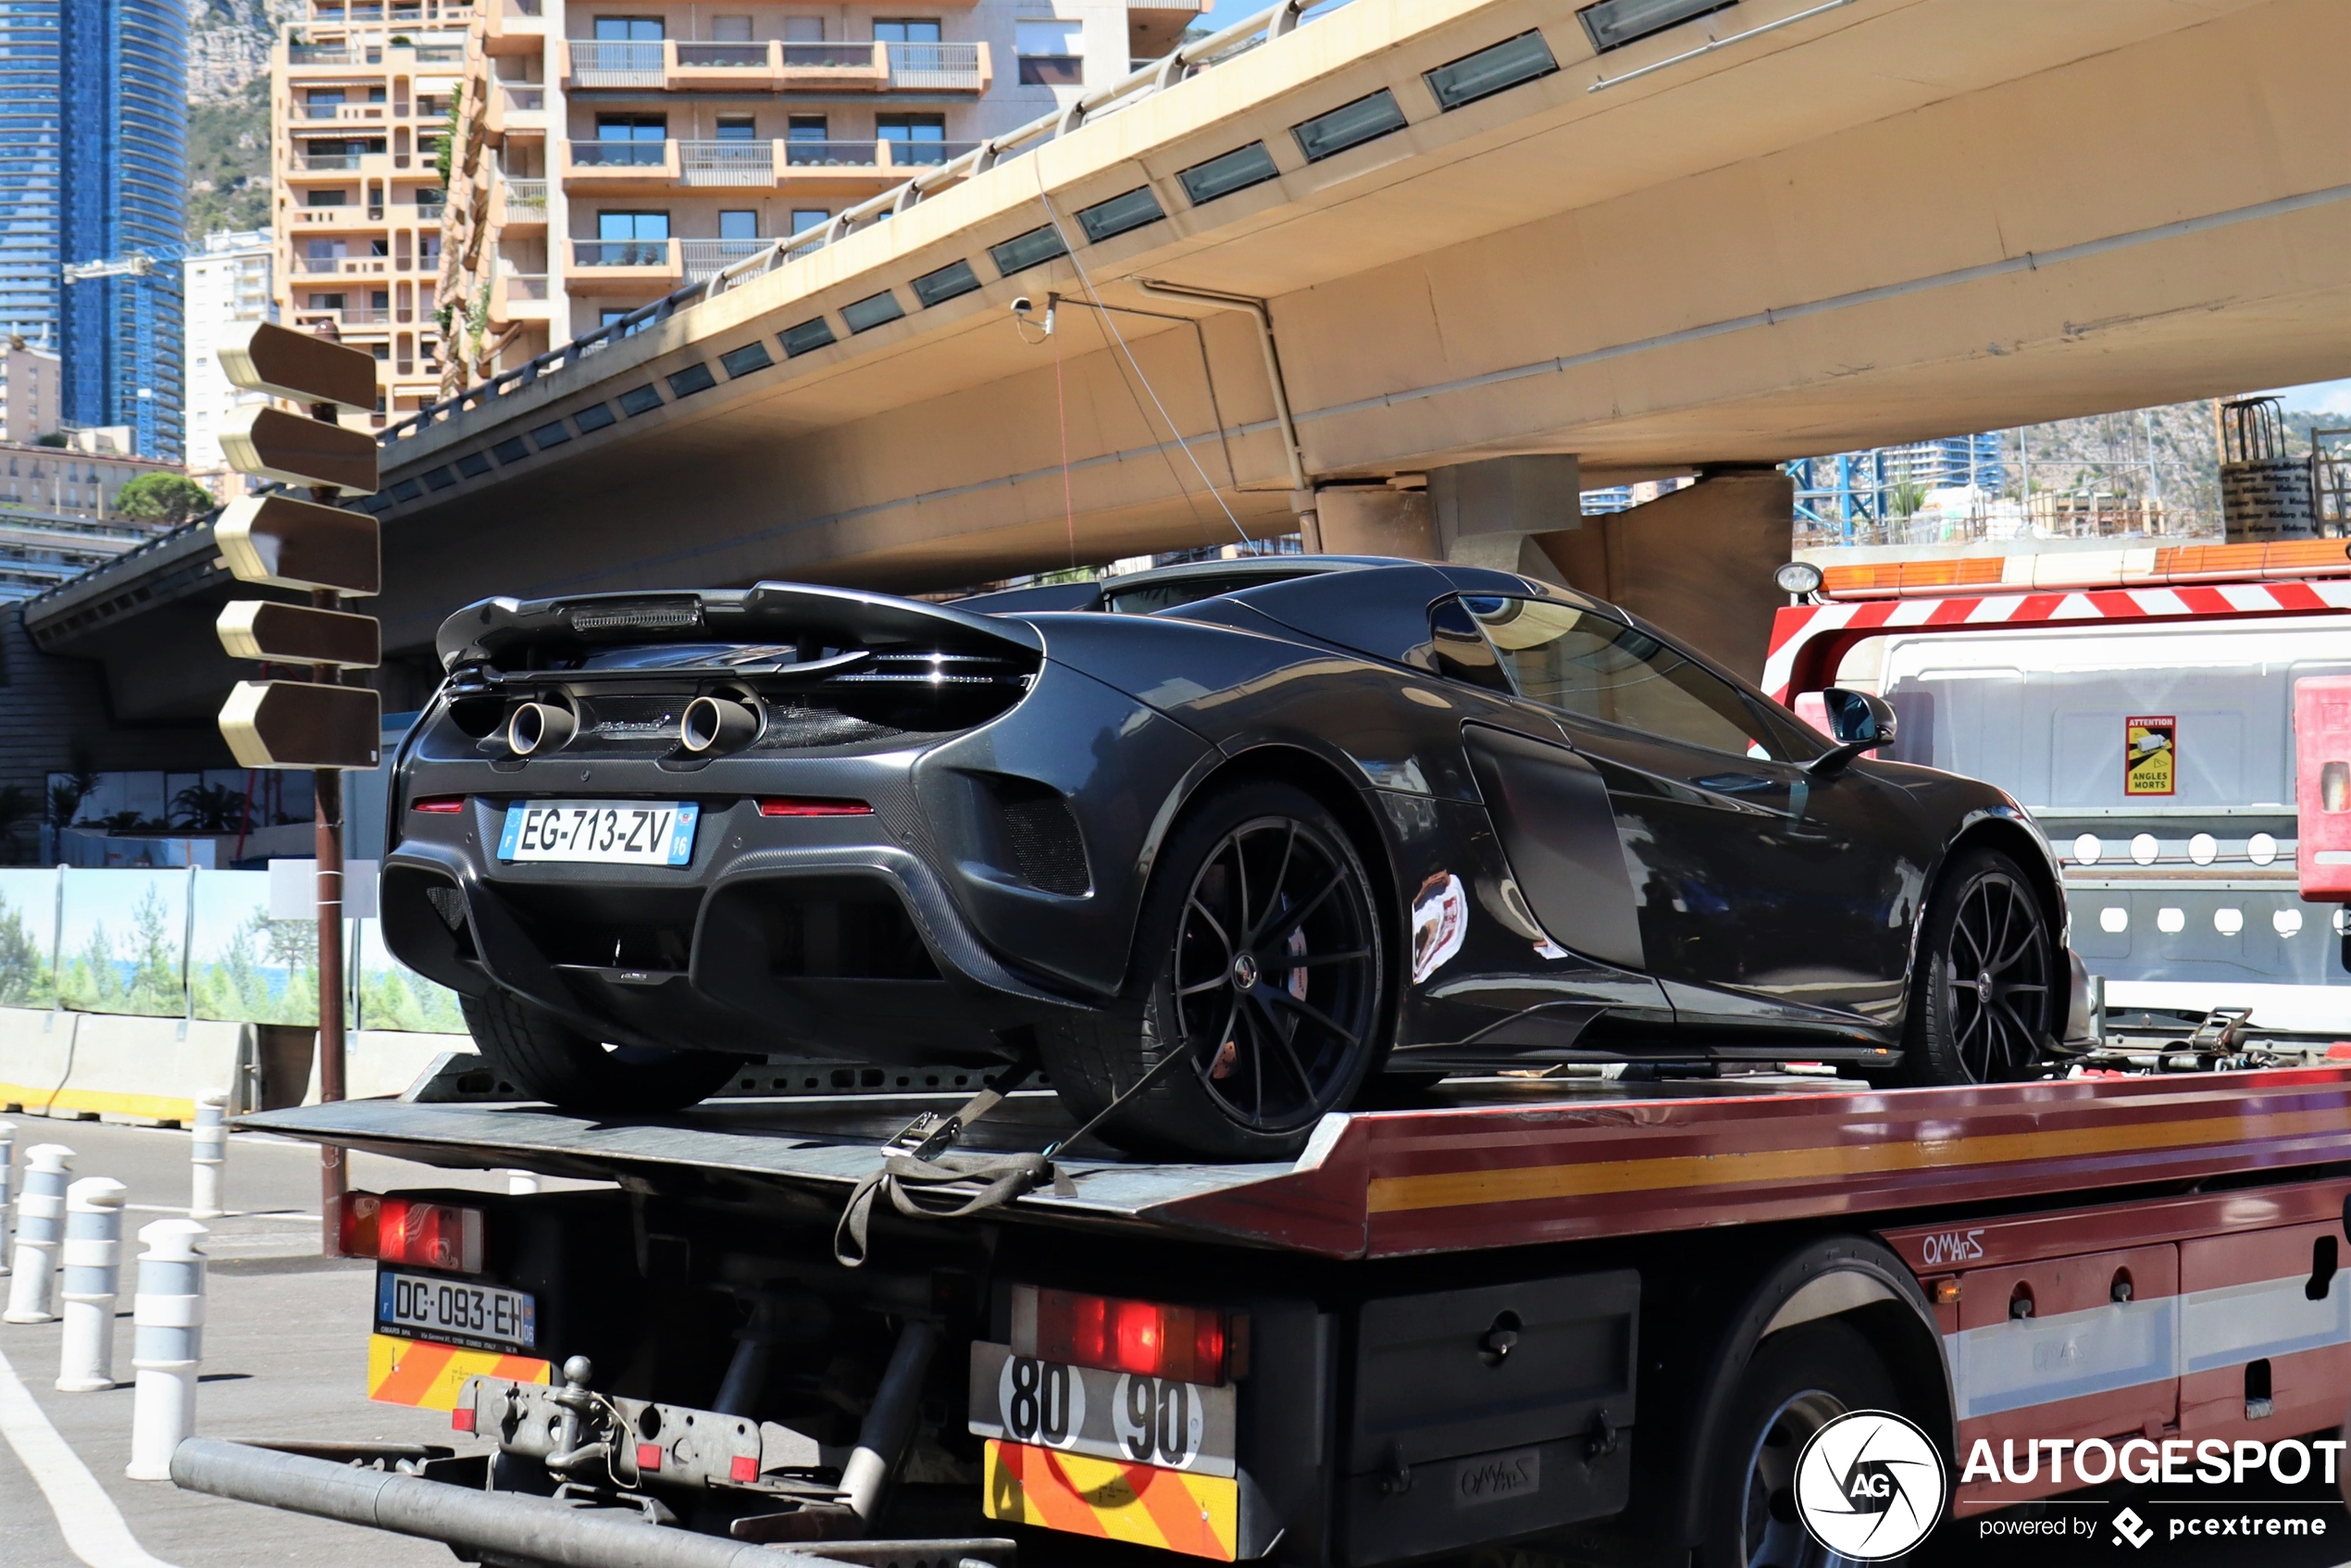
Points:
[(601, 832), (1121, 1415), (482, 1316)]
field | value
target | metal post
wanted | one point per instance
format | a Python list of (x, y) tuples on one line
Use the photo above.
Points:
[(326, 785), (169, 1345), (94, 1262), (41, 1227), (7, 1186), (881, 1441), (209, 1154)]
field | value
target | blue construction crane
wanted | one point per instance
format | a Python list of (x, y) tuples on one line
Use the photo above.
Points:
[(140, 268)]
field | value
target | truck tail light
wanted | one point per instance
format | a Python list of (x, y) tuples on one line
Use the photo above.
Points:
[(810, 805), (401, 1230), (1117, 1334)]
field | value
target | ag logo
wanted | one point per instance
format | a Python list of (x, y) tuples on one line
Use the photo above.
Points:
[(1869, 1486)]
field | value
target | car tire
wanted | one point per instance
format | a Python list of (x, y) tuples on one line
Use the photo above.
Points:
[(1279, 1027), (549, 1060), (1797, 1382), (1989, 978)]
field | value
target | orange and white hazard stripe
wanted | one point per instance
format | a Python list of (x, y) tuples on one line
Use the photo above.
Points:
[(429, 1377), (1197, 1515)]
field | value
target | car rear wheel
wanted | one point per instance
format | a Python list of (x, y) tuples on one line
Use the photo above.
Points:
[(1990, 977), (1260, 962), (549, 1060)]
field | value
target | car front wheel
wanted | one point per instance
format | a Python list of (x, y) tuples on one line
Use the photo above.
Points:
[(1990, 978), (1261, 964)]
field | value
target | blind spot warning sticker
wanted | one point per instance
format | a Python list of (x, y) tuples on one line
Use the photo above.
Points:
[(2150, 756)]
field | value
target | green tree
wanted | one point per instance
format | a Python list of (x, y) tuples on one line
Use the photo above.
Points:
[(16, 808), (90, 983), (209, 808), (24, 973), (164, 498), (155, 975)]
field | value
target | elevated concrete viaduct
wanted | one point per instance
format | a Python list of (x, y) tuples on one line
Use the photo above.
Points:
[(1777, 228)]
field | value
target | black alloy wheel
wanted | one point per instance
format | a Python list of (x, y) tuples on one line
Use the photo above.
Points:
[(1984, 1005), (1275, 976), (1260, 963)]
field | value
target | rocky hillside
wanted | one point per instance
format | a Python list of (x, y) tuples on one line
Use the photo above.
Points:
[(228, 110)]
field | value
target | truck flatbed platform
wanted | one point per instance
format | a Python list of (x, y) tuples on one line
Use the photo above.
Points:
[(1487, 1162)]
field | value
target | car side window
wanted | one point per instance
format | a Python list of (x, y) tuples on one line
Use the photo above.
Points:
[(1594, 667), (1460, 648)]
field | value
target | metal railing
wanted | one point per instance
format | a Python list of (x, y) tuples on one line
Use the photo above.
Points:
[(727, 163), (619, 155), (430, 212), (935, 67), (526, 197), (525, 100), (349, 316), (703, 258), (524, 285), (327, 163), (1227, 44), (622, 253), (617, 65), (321, 54), (439, 54)]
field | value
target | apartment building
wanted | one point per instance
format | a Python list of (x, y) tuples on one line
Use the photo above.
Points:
[(610, 151), (360, 94), (31, 389), (79, 481), (226, 286)]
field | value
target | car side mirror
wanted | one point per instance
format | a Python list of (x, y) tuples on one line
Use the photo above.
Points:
[(1858, 722)]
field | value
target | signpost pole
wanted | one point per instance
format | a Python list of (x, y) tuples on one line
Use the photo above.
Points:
[(326, 789)]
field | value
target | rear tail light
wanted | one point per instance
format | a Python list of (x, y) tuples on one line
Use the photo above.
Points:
[(810, 805), (446, 804), (400, 1230), (1187, 1344)]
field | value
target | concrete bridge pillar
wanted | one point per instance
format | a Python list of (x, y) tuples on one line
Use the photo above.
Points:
[(1490, 513), (1697, 562)]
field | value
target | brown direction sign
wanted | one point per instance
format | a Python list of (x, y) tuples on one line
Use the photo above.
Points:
[(279, 445), (290, 543), (293, 634), (297, 724), (300, 367)]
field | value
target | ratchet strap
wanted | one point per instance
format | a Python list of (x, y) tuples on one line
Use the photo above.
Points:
[(925, 1182)]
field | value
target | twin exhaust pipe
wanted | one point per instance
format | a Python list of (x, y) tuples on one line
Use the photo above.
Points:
[(710, 727)]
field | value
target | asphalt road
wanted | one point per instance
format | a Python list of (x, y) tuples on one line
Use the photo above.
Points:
[(285, 1356)]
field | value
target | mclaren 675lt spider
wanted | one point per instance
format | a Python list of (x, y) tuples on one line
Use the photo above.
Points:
[(1249, 834)]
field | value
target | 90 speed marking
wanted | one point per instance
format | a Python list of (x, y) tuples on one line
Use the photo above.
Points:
[(1130, 1417)]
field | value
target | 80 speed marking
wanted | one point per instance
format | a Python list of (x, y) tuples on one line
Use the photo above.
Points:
[(1125, 1416)]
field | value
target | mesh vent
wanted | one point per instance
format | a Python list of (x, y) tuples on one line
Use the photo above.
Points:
[(1046, 846), (449, 904)]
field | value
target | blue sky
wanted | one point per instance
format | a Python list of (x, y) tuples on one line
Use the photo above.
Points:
[(2326, 397)]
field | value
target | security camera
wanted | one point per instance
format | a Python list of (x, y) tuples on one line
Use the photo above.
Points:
[(1021, 305)]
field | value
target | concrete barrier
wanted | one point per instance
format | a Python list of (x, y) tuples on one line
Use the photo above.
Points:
[(116, 1067), (113, 1066)]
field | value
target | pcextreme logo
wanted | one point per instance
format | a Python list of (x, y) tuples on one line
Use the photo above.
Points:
[(1869, 1486)]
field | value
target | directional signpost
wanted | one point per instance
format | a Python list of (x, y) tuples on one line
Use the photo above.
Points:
[(316, 547)]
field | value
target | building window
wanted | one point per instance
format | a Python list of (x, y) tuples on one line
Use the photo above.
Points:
[(742, 225), (632, 128), (803, 29), (914, 139), (805, 218), (1053, 52), (805, 128), (330, 198), (737, 128), (906, 30), (730, 29), (628, 30), (632, 225)]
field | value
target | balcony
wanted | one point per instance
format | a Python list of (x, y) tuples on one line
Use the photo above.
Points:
[(676, 65), (517, 296), (358, 316), (511, 27), (624, 266), (517, 205), (336, 218), (342, 265), (703, 257), (507, 110), (342, 114), (616, 168)]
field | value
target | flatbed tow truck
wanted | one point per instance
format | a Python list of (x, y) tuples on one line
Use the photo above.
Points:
[(892, 1317), (1526, 1305)]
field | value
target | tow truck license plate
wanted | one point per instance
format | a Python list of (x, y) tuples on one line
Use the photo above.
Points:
[(1119, 1415), (601, 832), (480, 1315)]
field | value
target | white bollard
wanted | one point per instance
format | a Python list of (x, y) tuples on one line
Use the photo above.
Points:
[(209, 1150), (168, 1347), (8, 1186), (40, 1226), (521, 1182), (94, 1265)]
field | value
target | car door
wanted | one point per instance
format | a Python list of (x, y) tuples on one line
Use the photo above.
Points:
[(1766, 896)]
